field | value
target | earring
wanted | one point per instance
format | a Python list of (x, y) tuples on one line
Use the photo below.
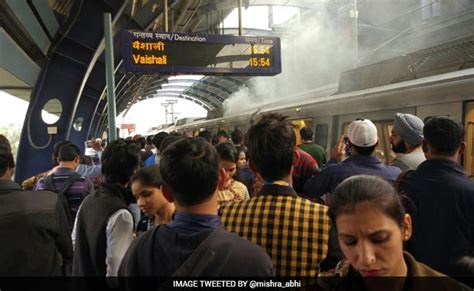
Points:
[(407, 237)]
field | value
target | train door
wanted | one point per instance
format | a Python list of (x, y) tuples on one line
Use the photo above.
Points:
[(298, 125), (387, 128), (469, 126)]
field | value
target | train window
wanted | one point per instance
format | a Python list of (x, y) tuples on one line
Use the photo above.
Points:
[(52, 111), (468, 161), (391, 154), (380, 149), (78, 124), (299, 124), (469, 155), (321, 135)]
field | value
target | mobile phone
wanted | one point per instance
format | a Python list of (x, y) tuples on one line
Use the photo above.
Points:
[(347, 146)]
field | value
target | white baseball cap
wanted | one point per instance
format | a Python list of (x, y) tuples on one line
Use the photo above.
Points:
[(362, 133)]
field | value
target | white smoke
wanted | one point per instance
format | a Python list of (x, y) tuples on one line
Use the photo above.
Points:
[(319, 44)]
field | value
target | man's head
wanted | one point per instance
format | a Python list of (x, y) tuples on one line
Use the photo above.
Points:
[(306, 134), (362, 134), (237, 137), (56, 147), (136, 137), (167, 141), (271, 144), (222, 136), (191, 172), (407, 132), (444, 136), (7, 163), (120, 159), (149, 140), (158, 138), (206, 134), (69, 154), (141, 142)]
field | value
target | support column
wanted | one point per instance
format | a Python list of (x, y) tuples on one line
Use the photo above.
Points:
[(109, 71)]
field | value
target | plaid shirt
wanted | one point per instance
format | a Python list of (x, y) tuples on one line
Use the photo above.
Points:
[(294, 231)]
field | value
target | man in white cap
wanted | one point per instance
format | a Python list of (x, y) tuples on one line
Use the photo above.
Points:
[(362, 140), (406, 138)]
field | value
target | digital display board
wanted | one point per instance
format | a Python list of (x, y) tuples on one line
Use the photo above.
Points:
[(156, 52)]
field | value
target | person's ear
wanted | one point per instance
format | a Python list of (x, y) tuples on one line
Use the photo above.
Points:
[(462, 148), (222, 179), (407, 227), (424, 146), (11, 161), (296, 156), (167, 193), (408, 146), (353, 149)]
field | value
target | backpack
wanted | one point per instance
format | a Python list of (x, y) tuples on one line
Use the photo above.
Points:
[(49, 185)]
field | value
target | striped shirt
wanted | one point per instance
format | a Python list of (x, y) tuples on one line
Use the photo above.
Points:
[(76, 193)]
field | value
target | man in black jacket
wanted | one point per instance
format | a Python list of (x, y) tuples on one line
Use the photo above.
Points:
[(443, 198), (195, 242), (33, 226)]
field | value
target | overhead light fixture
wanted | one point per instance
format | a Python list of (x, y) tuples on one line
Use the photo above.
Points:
[(178, 84), (171, 89), (186, 77), (164, 94)]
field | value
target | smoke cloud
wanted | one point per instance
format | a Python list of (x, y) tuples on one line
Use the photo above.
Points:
[(319, 44), (307, 63)]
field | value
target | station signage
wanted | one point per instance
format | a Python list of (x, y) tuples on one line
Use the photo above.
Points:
[(174, 53)]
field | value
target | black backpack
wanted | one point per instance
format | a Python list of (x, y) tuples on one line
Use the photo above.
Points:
[(49, 185)]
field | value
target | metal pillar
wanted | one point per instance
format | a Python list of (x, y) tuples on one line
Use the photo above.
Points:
[(356, 33), (109, 71), (165, 15), (240, 17)]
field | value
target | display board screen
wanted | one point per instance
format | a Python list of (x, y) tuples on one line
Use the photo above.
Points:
[(172, 53)]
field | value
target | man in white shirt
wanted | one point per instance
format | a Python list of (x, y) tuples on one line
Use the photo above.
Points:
[(103, 229)]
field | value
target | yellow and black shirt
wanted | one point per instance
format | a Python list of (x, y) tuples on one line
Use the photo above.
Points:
[(294, 231)]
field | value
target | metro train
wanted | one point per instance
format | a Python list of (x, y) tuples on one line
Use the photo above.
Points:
[(430, 83)]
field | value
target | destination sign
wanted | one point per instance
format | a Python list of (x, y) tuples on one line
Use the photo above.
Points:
[(170, 53)]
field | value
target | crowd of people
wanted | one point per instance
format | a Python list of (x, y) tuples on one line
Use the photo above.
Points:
[(248, 205)]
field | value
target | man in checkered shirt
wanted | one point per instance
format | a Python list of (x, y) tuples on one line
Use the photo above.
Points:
[(294, 231)]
